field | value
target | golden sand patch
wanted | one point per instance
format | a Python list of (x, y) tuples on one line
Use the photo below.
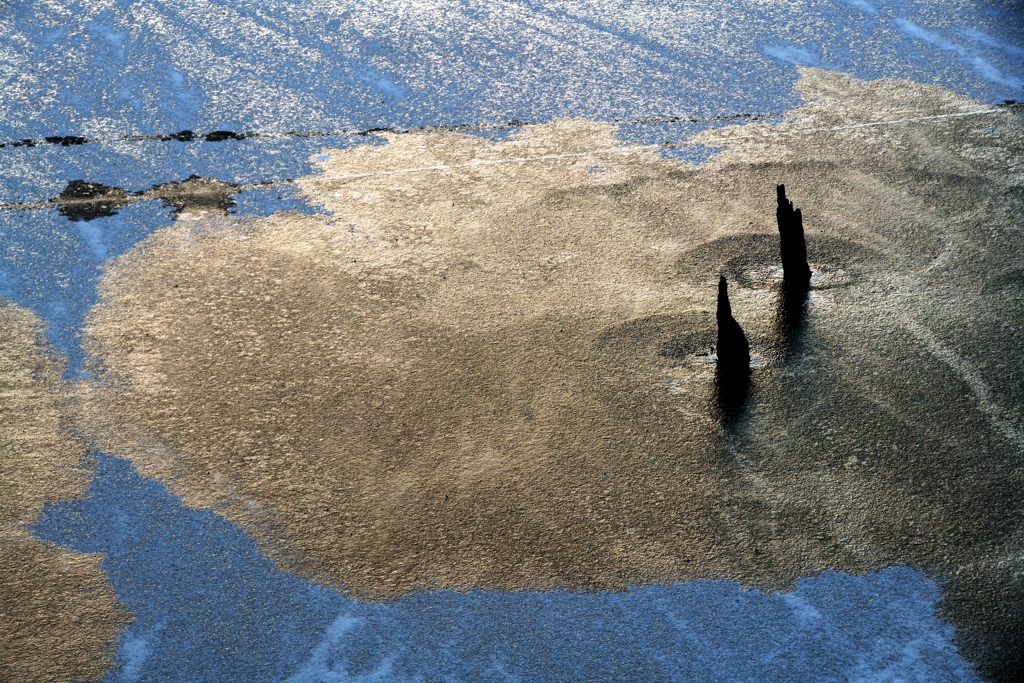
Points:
[(482, 369), (58, 614)]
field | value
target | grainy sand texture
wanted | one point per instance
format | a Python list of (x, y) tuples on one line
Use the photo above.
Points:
[(59, 618), (487, 367)]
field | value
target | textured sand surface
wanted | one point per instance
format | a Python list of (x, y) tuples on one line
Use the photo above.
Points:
[(485, 370), (58, 614)]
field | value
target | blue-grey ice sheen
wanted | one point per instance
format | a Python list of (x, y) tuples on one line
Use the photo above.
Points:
[(117, 68), (208, 606), (108, 69)]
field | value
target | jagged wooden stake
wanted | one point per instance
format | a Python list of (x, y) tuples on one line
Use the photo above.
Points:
[(791, 242), (733, 350)]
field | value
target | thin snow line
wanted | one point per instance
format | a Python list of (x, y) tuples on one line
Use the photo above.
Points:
[(222, 135), (869, 124), (630, 149), (620, 149), (492, 162), (981, 392)]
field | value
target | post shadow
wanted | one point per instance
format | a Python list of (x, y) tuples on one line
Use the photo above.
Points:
[(732, 376), (790, 320)]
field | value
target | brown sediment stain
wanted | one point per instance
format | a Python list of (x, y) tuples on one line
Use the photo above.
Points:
[(483, 369), (194, 197), (191, 198), (59, 618)]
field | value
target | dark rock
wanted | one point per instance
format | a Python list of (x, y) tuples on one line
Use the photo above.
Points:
[(180, 136), (79, 189), (82, 201), (221, 135), (793, 249), (66, 140)]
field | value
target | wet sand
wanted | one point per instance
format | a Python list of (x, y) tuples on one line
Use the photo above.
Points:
[(59, 618), (487, 368)]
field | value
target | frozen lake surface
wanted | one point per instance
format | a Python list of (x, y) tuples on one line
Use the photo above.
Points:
[(207, 605)]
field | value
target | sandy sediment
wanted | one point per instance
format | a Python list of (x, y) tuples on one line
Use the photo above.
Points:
[(484, 368), (59, 618)]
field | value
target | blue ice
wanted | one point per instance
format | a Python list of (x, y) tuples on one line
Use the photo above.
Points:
[(210, 607), (985, 68)]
